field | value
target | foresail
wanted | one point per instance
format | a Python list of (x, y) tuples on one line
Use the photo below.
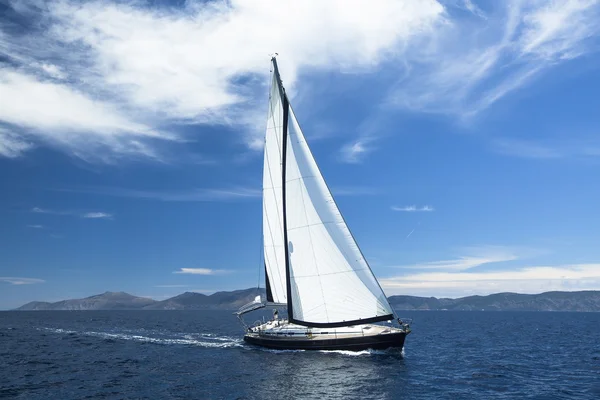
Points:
[(274, 249), (331, 282)]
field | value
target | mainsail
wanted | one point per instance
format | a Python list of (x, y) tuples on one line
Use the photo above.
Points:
[(312, 261), (274, 250)]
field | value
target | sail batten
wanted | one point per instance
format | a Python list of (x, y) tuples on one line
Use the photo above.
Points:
[(321, 273)]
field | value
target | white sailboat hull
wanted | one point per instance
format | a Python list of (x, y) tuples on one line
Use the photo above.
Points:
[(283, 335)]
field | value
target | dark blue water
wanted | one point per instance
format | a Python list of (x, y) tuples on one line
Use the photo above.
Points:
[(200, 355)]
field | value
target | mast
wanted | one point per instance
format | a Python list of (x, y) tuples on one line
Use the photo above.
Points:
[(285, 104)]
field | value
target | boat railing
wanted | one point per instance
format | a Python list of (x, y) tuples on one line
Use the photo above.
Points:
[(405, 324), (253, 305)]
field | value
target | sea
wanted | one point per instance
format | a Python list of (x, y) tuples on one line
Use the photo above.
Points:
[(201, 355)]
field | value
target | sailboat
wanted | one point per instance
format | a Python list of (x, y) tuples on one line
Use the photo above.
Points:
[(313, 266)]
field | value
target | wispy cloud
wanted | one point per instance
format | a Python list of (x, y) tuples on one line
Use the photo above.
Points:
[(191, 195), (201, 271), (525, 149), (496, 55), (490, 269), (462, 263), (355, 152), (547, 149), (413, 208), (20, 281), (12, 145), (95, 215), (87, 215), (70, 120), (475, 58), (530, 279), (105, 73), (36, 226)]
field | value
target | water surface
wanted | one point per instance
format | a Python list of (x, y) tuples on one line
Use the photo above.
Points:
[(201, 355)]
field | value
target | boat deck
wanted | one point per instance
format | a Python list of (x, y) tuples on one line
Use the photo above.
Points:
[(282, 328), (283, 335)]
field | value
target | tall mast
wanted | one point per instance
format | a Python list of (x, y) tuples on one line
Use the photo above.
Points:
[(285, 105)]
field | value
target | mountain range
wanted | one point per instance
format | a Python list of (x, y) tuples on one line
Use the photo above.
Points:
[(549, 301)]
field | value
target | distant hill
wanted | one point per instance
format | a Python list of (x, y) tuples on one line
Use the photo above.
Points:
[(549, 301), (104, 301), (216, 301)]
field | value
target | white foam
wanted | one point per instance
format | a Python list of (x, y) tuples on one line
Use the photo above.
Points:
[(56, 330), (368, 352), (209, 341)]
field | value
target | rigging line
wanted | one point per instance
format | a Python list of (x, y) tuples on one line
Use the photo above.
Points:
[(262, 240), (271, 106), (333, 273)]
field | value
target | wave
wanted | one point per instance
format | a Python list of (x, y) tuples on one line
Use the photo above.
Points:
[(201, 340)]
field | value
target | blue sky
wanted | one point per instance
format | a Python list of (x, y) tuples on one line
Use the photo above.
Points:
[(459, 138)]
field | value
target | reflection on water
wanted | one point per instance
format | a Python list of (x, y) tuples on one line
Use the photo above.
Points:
[(331, 374)]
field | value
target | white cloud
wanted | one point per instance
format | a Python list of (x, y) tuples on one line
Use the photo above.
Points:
[(63, 116), (532, 279), (355, 152), (472, 7), (100, 79), (120, 68), (20, 281), (36, 226), (474, 274), (198, 194), (477, 256), (201, 271), (44, 211), (12, 145), (53, 71), (474, 62), (413, 208), (525, 149), (88, 215), (556, 148), (96, 215)]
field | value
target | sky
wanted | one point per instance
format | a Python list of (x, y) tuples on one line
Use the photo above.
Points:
[(460, 139)]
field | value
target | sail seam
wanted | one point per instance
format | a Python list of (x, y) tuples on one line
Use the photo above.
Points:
[(309, 225), (302, 178), (331, 273)]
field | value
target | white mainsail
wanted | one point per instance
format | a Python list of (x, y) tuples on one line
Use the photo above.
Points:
[(330, 282), (272, 199)]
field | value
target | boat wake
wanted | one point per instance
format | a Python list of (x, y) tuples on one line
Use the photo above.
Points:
[(361, 353), (207, 340), (201, 340)]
